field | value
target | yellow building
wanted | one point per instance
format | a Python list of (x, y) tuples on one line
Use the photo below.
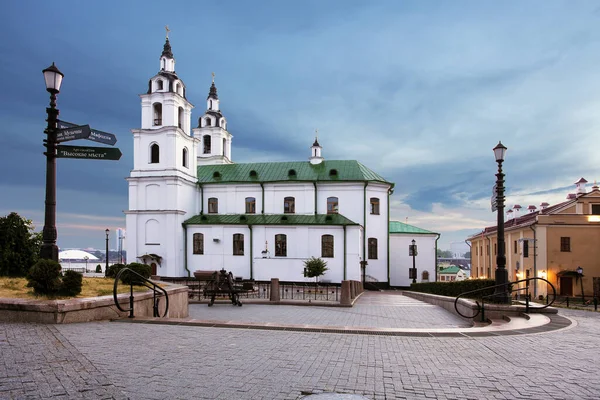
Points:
[(551, 243)]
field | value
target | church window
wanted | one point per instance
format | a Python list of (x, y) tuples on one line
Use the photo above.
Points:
[(333, 172), (180, 117), (372, 248), (374, 205), (238, 244), (210, 104), (292, 172), (185, 157), (280, 245), (207, 122), (177, 88), (327, 246), (198, 240), (253, 174), (159, 84), (224, 146), (213, 205), (157, 114), (289, 205), (207, 142), (250, 205), (154, 154), (332, 205)]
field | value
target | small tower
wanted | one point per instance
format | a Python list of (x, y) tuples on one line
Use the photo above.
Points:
[(580, 184), (215, 141), (315, 151)]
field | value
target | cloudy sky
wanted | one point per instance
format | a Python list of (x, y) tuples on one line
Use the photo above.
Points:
[(419, 91)]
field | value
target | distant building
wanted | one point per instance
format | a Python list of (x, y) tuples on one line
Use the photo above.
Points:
[(452, 273)]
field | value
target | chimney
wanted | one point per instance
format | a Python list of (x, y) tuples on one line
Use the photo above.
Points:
[(571, 196), (544, 205), (580, 184), (509, 214), (531, 208), (517, 210)]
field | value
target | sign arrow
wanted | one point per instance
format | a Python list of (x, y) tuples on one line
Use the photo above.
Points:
[(73, 133), (92, 153), (95, 135)]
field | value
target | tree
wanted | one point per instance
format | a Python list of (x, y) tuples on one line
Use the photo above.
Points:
[(19, 245), (315, 267), (444, 253), (467, 254)]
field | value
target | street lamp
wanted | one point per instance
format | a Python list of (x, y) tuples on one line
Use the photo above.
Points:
[(501, 294), (413, 253), (49, 250), (106, 269), (579, 271)]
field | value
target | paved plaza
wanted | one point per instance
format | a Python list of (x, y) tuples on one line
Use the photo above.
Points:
[(116, 360)]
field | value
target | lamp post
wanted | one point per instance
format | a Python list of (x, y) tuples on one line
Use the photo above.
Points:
[(501, 294), (106, 269), (413, 252), (49, 250), (580, 273)]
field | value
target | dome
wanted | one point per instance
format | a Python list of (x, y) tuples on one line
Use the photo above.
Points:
[(76, 255)]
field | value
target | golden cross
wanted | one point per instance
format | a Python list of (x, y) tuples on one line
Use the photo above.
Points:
[(213, 76), (317, 133), (168, 30)]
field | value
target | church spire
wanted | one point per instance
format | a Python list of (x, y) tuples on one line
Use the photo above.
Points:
[(315, 150), (212, 94), (167, 61)]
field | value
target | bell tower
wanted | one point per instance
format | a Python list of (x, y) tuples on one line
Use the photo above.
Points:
[(215, 140)]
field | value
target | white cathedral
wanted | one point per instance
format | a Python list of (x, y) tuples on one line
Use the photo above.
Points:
[(192, 208)]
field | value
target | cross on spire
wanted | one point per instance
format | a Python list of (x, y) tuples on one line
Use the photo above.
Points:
[(168, 30), (213, 77)]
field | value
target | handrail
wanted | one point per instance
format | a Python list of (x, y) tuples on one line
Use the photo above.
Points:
[(480, 307), (145, 282)]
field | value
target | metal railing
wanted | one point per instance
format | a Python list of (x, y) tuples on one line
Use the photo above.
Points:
[(508, 291), (140, 280)]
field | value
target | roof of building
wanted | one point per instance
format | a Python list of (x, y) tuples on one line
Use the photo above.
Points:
[(167, 52), (400, 227), (453, 269), (270, 219), (293, 171)]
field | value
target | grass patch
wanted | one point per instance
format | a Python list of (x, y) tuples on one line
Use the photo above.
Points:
[(92, 287)]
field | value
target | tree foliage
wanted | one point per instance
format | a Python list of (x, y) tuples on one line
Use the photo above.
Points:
[(444, 253), (314, 267), (19, 245)]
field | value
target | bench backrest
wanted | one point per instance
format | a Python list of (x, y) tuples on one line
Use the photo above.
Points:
[(205, 275)]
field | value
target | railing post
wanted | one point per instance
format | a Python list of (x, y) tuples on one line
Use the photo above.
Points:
[(275, 296), (567, 301), (131, 300), (346, 298), (595, 303), (482, 311)]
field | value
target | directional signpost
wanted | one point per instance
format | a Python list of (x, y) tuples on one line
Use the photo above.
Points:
[(94, 153), (73, 133), (95, 135), (494, 198)]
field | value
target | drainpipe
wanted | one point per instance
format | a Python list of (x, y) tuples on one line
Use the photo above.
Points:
[(365, 230), (390, 191), (436, 257), (535, 260), (185, 250), (262, 203), (315, 185), (344, 226), (201, 198), (251, 246), (471, 258)]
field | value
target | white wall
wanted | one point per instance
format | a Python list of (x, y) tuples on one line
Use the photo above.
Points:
[(400, 261)]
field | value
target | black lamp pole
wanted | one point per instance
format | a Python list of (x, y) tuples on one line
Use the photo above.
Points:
[(580, 273), (106, 269), (414, 254), (49, 250), (501, 293)]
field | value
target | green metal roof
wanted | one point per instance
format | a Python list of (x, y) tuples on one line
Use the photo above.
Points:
[(400, 227), (453, 269), (270, 219), (347, 171)]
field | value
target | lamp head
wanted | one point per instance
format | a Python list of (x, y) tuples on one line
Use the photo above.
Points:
[(579, 270), (53, 78), (414, 241), (499, 152), (107, 230)]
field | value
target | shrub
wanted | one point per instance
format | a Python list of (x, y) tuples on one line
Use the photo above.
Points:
[(455, 288), (314, 267), (98, 269), (142, 269), (114, 269), (71, 283), (44, 277)]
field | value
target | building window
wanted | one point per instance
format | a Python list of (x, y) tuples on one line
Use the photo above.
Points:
[(595, 209), (332, 205), (372, 249), (327, 246), (280, 245), (207, 122), (154, 154), (198, 243), (487, 249), (374, 205), (159, 84), (238, 244), (213, 205), (180, 117), (289, 205), (495, 248), (185, 157), (565, 244), (206, 139), (250, 205), (210, 105), (476, 250), (224, 147), (516, 248), (526, 248), (157, 114)]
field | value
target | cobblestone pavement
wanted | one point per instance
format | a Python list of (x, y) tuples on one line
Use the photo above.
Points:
[(143, 361)]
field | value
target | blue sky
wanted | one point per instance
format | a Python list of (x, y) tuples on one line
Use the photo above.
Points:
[(419, 91)]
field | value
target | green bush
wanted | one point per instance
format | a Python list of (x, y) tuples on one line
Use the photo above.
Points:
[(71, 283), (114, 269), (98, 269), (455, 288), (315, 267), (142, 269), (44, 277)]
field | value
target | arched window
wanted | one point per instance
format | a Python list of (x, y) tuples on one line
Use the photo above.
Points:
[(159, 84), (213, 205), (180, 117), (177, 88), (289, 205), (206, 139), (154, 154), (280, 245), (163, 63), (210, 104), (332, 205), (327, 246), (198, 239), (224, 146), (374, 205), (238, 244), (157, 114), (207, 121), (250, 205), (185, 157), (152, 232), (372, 248)]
